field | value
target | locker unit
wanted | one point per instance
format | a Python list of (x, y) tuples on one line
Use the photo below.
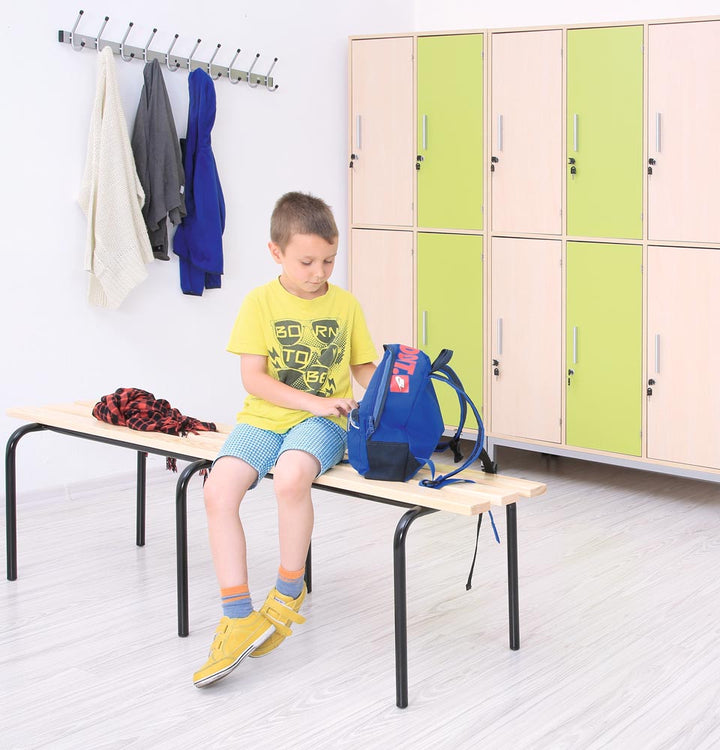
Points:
[(381, 154), (682, 126), (526, 122), (683, 398), (604, 347), (449, 311), (525, 367), (381, 277), (604, 132), (450, 131)]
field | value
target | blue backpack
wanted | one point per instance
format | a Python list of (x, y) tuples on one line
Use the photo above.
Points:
[(398, 424)]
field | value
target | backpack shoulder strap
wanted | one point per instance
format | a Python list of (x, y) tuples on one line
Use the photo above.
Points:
[(452, 380)]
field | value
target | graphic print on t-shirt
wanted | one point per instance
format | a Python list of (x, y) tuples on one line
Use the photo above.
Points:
[(306, 352)]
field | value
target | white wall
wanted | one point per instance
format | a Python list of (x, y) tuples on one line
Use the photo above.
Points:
[(431, 15), (55, 346)]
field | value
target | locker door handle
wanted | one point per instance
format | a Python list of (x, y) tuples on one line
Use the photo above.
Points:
[(500, 133), (658, 131), (424, 327), (499, 336), (424, 132), (358, 131), (657, 353), (575, 345), (576, 132)]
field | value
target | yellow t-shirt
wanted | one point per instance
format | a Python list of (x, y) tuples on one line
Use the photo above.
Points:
[(309, 345)]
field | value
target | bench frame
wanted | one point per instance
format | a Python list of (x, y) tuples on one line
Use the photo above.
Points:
[(412, 512)]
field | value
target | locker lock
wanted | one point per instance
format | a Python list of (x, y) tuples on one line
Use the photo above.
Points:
[(420, 158), (651, 383), (651, 163), (496, 368), (353, 157), (571, 160), (493, 161), (571, 372)]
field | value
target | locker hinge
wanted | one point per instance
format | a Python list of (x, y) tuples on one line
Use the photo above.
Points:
[(560, 421), (642, 48), (560, 262), (482, 54), (642, 216), (482, 209), (561, 213)]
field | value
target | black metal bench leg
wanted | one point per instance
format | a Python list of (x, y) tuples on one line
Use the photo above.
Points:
[(140, 506), (400, 579), (308, 569), (181, 543), (11, 496), (512, 563)]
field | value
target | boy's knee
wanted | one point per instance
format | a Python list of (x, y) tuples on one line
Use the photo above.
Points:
[(219, 497), (294, 478)]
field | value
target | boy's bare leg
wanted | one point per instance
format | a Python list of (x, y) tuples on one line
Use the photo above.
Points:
[(225, 488), (293, 477)]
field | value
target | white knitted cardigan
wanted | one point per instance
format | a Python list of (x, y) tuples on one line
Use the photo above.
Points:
[(117, 245)]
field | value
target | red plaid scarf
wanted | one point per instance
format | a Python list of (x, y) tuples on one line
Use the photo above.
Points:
[(140, 410)]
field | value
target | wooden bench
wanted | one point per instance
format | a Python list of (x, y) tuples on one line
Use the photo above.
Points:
[(490, 490)]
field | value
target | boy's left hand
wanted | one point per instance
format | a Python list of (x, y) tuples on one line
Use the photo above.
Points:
[(335, 407)]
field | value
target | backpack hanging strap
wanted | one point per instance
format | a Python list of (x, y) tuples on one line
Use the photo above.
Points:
[(468, 585)]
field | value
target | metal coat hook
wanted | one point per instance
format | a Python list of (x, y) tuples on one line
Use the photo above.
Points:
[(102, 28), (122, 45), (249, 79), (209, 65), (267, 77), (147, 46), (72, 33), (190, 59), (232, 62), (167, 55)]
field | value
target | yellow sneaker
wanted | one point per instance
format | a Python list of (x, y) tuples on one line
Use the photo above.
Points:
[(280, 611), (234, 639)]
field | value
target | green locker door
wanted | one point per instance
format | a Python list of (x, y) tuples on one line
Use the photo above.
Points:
[(604, 347), (450, 312), (450, 131), (604, 132)]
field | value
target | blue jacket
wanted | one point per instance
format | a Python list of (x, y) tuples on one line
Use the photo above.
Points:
[(198, 239)]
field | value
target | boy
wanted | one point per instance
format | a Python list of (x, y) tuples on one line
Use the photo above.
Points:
[(299, 338)]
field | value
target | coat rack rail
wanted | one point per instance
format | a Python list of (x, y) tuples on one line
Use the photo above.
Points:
[(173, 62)]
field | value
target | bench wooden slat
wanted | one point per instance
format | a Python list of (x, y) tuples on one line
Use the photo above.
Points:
[(487, 490), (204, 445)]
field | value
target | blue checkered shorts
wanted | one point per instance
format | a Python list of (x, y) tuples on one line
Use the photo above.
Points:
[(318, 436)]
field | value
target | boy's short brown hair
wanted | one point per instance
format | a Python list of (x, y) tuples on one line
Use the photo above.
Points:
[(301, 213)]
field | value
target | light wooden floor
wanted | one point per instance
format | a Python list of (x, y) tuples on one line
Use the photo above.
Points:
[(620, 624)]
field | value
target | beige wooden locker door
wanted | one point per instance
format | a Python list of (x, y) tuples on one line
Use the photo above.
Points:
[(683, 124), (526, 115), (526, 376), (683, 356), (381, 120), (381, 277)]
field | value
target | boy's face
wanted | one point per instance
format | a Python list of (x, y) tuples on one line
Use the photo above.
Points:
[(307, 263)]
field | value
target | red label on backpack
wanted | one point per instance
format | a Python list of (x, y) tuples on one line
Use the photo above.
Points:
[(403, 369), (400, 384)]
